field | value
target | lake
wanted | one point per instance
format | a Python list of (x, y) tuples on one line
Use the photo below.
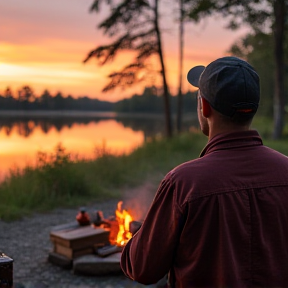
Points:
[(23, 134)]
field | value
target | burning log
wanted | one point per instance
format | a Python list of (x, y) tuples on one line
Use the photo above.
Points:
[(119, 226), (121, 230)]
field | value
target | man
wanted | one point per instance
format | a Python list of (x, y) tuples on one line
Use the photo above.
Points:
[(220, 220)]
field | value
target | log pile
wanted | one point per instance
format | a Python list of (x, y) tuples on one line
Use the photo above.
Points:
[(85, 249), (88, 247)]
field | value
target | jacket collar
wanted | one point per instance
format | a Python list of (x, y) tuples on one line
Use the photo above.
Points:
[(232, 140)]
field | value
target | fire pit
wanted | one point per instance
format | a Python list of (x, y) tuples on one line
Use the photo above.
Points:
[(93, 248)]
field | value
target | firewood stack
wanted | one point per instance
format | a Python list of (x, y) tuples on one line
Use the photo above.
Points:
[(73, 243), (88, 245)]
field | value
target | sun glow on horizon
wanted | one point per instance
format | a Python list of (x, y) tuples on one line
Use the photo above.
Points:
[(55, 70), (42, 74), (49, 52)]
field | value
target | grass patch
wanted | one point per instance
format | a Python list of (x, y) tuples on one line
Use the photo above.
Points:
[(59, 181)]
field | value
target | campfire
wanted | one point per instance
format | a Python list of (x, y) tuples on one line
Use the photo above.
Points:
[(124, 219), (121, 228), (92, 240), (92, 234)]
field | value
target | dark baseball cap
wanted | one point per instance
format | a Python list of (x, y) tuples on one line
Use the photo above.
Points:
[(230, 85)]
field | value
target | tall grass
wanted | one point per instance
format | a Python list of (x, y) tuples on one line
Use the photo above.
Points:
[(58, 180), (54, 180), (265, 127)]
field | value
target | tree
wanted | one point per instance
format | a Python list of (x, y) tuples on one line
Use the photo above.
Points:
[(260, 16), (8, 93), (26, 94), (257, 49), (9, 102), (181, 47), (25, 97), (46, 100), (59, 101), (280, 14), (135, 25)]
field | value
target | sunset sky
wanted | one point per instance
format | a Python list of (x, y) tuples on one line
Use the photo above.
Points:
[(43, 44)]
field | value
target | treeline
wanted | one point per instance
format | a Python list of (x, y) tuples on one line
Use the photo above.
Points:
[(148, 102), (25, 99)]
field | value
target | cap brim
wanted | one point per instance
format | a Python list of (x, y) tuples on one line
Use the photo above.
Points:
[(194, 75)]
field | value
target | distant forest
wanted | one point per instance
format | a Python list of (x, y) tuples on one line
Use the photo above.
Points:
[(148, 102)]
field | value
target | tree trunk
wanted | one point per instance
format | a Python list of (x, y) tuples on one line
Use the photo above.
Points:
[(279, 14), (181, 47), (165, 85)]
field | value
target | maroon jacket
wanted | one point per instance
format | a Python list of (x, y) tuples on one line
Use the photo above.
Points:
[(217, 221)]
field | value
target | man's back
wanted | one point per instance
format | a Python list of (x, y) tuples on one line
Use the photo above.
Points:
[(217, 221), (235, 201), (220, 220)]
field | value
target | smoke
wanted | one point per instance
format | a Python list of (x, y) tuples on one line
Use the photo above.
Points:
[(138, 200)]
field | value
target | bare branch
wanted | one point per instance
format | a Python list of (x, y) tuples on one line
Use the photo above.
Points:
[(96, 5), (129, 76), (108, 52), (128, 15), (126, 42)]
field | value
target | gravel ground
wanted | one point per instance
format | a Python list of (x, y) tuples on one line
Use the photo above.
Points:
[(27, 242)]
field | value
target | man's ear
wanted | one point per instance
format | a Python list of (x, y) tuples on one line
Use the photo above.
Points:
[(206, 108)]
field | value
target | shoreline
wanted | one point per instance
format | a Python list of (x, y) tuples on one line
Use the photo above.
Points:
[(83, 114)]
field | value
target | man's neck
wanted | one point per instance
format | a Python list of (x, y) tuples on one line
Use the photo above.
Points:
[(226, 128)]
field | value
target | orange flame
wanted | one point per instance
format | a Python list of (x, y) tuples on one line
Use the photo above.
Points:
[(124, 219)]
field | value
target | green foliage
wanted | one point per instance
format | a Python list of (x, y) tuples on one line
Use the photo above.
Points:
[(57, 174), (53, 182), (58, 181), (267, 16), (257, 49), (264, 125), (256, 13)]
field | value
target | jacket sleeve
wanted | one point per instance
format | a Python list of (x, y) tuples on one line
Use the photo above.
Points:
[(149, 254)]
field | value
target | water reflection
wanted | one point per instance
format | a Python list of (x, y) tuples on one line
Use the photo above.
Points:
[(25, 126), (22, 137)]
